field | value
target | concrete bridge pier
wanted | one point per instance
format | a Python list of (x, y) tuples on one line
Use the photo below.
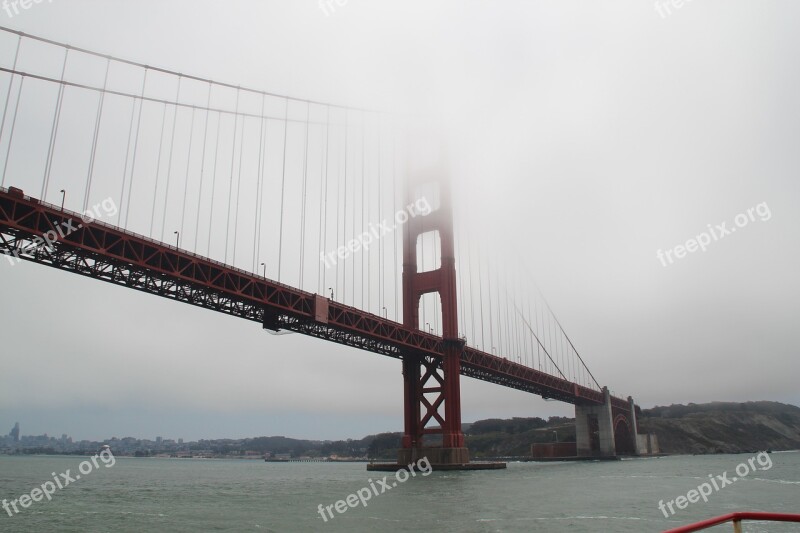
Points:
[(594, 429), (638, 449)]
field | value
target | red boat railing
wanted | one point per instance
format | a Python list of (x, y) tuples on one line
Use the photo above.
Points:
[(736, 518)]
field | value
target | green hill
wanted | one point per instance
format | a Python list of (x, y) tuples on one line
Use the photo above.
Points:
[(681, 429), (720, 427)]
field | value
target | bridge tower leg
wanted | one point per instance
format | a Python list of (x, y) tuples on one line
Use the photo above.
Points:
[(594, 429), (432, 394)]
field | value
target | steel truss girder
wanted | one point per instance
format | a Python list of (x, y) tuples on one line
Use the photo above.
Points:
[(111, 254)]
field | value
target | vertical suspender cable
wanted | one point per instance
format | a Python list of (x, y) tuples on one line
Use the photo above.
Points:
[(381, 247), (135, 144), (436, 301), (535, 315), (471, 297), (491, 315), (538, 358), (566, 356), (509, 345), (188, 165), (13, 127), (158, 167), (509, 326), (5, 107), (283, 184), (259, 186), (524, 337), (127, 157), (230, 175), (364, 253), (202, 168), (97, 122), (169, 159), (461, 293), (214, 183), (513, 317), (238, 192), (519, 290), (368, 229), (396, 260), (549, 336), (480, 294), (420, 242), (135, 150), (261, 194), (499, 313), (522, 340), (10, 83), (344, 195), (338, 195), (323, 218), (303, 199), (54, 130)]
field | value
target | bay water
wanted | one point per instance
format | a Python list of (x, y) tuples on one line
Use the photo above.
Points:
[(183, 495)]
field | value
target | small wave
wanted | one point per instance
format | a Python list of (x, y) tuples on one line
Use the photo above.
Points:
[(650, 477), (381, 519), (562, 518), (781, 481)]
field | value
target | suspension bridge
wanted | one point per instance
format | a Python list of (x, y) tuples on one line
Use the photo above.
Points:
[(302, 216)]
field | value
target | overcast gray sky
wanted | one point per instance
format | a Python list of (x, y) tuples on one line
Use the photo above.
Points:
[(588, 136)]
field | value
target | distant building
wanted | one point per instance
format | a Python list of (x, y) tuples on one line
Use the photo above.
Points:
[(15, 433)]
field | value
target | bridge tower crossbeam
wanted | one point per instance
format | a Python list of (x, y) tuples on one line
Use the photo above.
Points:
[(432, 389)]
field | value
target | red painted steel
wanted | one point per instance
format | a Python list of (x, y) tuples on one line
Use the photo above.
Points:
[(442, 281), (736, 517), (117, 256)]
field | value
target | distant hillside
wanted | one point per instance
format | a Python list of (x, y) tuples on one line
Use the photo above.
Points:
[(681, 429), (723, 427), (503, 438)]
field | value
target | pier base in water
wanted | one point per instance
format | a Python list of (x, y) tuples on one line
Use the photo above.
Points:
[(437, 458)]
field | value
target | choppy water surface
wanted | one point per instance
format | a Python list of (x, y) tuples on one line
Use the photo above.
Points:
[(229, 495)]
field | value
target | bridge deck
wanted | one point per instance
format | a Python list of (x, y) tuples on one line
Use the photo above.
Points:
[(114, 255)]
